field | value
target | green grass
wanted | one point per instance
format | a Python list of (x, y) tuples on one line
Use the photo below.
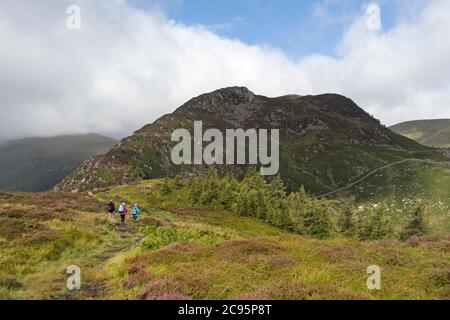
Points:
[(283, 267), (399, 187), (177, 251), (45, 233), (434, 133)]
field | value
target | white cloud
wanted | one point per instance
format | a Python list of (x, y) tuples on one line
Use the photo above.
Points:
[(227, 26), (127, 67)]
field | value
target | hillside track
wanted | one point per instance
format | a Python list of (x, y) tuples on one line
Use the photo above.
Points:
[(375, 171)]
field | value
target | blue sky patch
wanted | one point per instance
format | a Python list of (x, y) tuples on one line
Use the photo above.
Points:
[(297, 27)]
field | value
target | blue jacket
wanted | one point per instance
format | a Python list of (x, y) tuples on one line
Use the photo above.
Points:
[(136, 211)]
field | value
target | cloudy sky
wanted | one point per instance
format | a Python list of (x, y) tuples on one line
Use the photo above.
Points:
[(133, 61)]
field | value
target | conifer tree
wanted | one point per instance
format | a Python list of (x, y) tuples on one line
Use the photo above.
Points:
[(316, 220), (346, 220), (373, 225), (310, 216), (210, 191), (251, 198), (277, 205), (228, 191), (416, 225)]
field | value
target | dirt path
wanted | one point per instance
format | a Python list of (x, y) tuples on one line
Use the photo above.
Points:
[(373, 172), (95, 287)]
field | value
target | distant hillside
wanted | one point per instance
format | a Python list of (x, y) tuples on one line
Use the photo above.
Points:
[(433, 133), (326, 141), (37, 164)]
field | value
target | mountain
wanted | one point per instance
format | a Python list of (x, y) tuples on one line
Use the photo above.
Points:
[(433, 133), (326, 141), (37, 164)]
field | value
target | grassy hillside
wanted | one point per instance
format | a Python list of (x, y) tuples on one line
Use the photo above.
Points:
[(405, 184), (177, 251), (433, 133), (37, 164), (326, 141)]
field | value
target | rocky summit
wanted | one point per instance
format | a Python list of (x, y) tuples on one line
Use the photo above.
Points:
[(326, 141)]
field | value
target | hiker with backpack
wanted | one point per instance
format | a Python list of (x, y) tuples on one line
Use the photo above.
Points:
[(136, 212), (123, 212), (111, 209)]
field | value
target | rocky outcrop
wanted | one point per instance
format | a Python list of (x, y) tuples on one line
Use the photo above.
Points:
[(322, 137)]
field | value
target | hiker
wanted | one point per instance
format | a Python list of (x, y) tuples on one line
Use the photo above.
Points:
[(111, 209), (136, 212), (123, 212)]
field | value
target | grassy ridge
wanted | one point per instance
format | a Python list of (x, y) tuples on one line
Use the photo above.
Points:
[(42, 234), (433, 133), (244, 258), (176, 251), (284, 267)]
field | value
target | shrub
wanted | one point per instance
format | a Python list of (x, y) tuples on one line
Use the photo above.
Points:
[(176, 183), (10, 283), (373, 225), (158, 237), (195, 190), (346, 220), (416, 225), (165, 188)]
